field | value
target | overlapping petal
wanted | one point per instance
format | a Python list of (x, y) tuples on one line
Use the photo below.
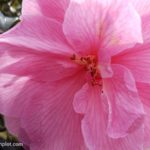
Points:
[(54, 9), (42, 67), (51, 122), (125, 107), (30, 8), (141, 6), (105, 26), (137, 58), (93, 105), (45, 8), (36, 63), (42, 34), (144, 89)]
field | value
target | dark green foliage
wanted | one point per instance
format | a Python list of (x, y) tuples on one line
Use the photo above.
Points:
[(11, 8), (10, 11)]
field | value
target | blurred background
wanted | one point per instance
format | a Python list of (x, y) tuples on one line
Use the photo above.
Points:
[(10, 11)]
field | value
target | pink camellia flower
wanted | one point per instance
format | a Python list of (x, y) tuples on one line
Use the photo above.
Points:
[(75, 75)]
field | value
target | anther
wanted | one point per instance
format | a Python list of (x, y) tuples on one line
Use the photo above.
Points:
[(90, 64)]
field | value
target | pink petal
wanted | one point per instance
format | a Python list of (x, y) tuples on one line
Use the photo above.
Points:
[(47, 8), (46, 113), (126, 111), (7, 94), (145, 27), (30, 8), (24, 66), (141, 6), (53, 114), (143, 89), (137, 58), (38, 66), (145, 97), (105, 26), (147, 128), (89, 102), (42, 34), (93, 105), (133, 141), (54, 9), (80, 30), (122, 33), (18, 65)]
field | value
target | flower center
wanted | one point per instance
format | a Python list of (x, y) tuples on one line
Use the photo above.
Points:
[(90, 65)]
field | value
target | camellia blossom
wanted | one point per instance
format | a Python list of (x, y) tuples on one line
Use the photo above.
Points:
[(75, 75)]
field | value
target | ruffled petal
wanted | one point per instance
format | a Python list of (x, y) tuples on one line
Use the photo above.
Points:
[(145, 28), (141, 6), (105, 26), (40, 34), (137, 58), (30, 8), (80, 30), (88, 102), (147, 128), (145, 97), (93, 105), (126, 111), (121, 33), (17, 68), (54, 9), (45, 112), (47, 8), (42, 67)]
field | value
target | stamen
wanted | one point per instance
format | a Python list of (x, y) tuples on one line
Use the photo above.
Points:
[(90, 64)]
